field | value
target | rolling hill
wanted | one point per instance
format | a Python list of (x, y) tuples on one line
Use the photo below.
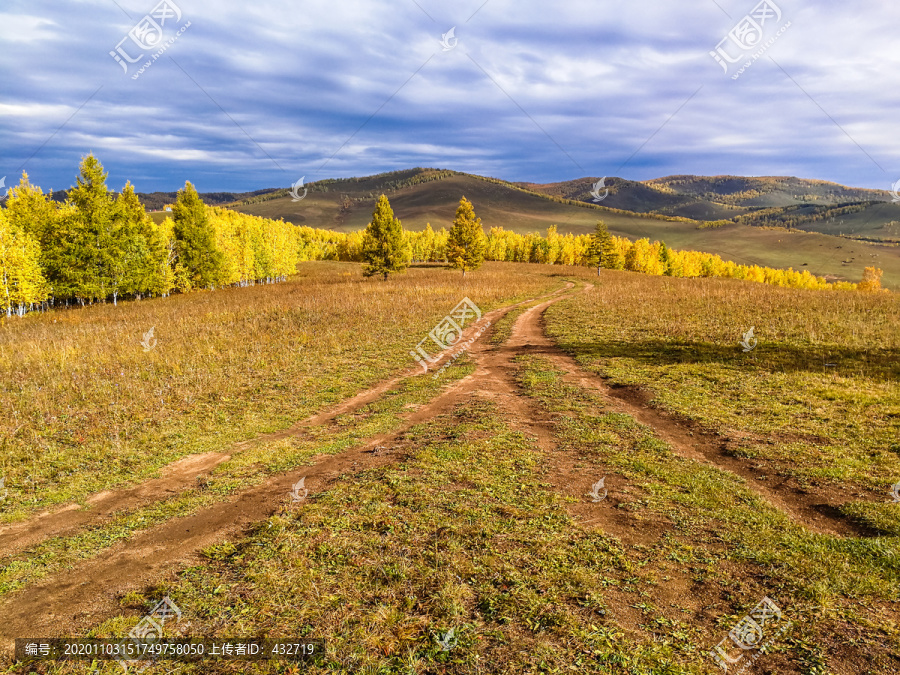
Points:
[(752, 214)]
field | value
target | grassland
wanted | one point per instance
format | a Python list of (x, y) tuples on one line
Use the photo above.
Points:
[(89, 409), (817, 397), (473, 514)]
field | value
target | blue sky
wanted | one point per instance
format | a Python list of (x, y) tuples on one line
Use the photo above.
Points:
[(257, 93)]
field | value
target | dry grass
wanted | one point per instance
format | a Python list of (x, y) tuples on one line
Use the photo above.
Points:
[(86, 408), (818, 395), (464, 531)]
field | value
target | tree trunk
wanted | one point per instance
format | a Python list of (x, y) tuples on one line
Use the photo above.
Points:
[(385, 276)]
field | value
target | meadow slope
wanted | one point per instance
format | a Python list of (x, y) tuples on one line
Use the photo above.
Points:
[(468, 498)]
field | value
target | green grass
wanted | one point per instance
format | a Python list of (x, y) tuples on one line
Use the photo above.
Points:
[(463, 534), (473, 526), (88, 409), (244, 470)]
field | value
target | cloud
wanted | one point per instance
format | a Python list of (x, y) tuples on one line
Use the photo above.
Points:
[(256, 94)]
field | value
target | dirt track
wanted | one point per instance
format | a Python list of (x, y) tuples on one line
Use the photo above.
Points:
[(75, 600)]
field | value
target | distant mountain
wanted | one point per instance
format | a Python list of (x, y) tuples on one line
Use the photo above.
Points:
[(765, 191), (768, 221), (710, 197), (156, 201)]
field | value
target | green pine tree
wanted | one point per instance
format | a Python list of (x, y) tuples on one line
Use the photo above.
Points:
[(385, 249), (612, 259), (93, 249), (466, 242), (199, 261), (140, 266), (600, 241)]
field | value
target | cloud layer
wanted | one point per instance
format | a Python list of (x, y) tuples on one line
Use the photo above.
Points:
[(257, 94)]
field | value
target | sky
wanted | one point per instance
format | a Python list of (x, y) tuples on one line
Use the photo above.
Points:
[(242, 95)]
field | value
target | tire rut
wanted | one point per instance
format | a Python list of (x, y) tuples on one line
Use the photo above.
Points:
[(91, 589), (183, 473), (43, 608), (691, 441)]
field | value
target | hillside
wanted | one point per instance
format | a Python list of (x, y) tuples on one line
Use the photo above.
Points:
[(423, 196), (602, 474), (632, 209), (711, 197)]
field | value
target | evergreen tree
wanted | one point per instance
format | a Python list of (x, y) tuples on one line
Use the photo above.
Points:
[(665, 257), (612, 259), (385, 249), (93, 251), (138, 268), (200, 262), (466, 242), (600, 241)]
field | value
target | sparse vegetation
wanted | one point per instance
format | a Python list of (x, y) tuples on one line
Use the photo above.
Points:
[(474, 516)]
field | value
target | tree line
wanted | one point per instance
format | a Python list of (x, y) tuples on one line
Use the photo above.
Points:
[(385, 247), (100, 246)]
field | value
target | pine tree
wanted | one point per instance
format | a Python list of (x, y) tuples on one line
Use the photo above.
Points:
[(385, 249), (93, 251), (200, 262), (612, 259), (466, 242), (600, 242), (138, 268)]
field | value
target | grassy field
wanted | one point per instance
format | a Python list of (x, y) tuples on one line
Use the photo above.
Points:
[(818, 397), (89, 409), (459, 503)]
